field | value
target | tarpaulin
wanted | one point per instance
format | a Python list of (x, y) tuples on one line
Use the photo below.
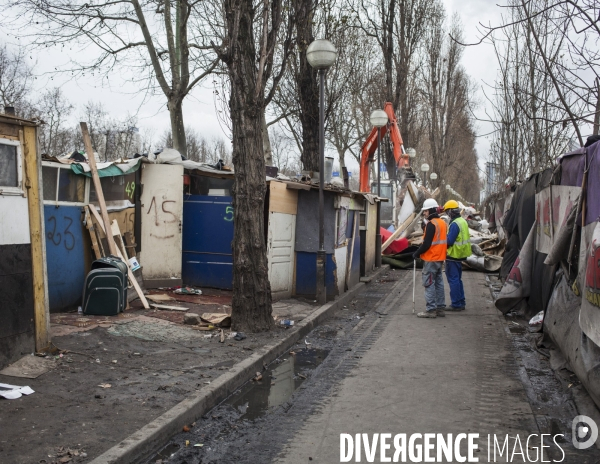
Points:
[(396, 246), (110, 169)]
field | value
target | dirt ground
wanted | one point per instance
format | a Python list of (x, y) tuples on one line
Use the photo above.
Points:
[(116, 374)]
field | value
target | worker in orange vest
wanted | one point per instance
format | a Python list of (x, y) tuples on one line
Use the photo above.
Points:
[(433, 253)]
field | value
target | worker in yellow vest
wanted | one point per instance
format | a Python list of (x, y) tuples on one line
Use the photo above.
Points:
[(459, 249), (433, 252)]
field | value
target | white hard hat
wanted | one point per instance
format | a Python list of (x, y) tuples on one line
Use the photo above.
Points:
[(429, 203)]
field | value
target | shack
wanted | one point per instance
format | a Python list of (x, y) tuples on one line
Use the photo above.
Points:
[(24, 317)]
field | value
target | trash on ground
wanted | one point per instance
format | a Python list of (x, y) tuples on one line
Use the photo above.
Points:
[(105, 385), (168, 307), (537, 320), (287, 323), (12, 392), (239, 336), (218, 319), (29, 367), (188, 291), (160, 297)]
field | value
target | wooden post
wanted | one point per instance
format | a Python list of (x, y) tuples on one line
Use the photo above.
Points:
[(92, 162), (33, 169)]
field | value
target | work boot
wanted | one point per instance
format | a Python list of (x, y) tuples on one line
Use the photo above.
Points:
[(428, 314), (455, 308), (440, 312)]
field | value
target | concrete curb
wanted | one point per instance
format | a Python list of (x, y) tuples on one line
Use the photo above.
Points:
[(150, 437)]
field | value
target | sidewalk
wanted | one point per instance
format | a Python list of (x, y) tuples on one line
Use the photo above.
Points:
[(447, 375)]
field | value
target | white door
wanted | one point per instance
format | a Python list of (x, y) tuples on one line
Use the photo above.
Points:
[(162, 211), (280, 252)]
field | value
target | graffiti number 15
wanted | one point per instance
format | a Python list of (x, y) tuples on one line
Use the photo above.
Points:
[(229, 214)]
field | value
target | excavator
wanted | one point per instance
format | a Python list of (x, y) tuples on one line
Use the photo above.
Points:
[(388, 187), (367, 152)]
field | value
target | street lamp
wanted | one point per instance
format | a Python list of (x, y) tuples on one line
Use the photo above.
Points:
[(321, 54), (433, 176), (379, 119), (424, 169)]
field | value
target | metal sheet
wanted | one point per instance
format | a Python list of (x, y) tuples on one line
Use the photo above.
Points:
[(207, 237), (306, 275), (14, 226), (307, 222), (65, 250)]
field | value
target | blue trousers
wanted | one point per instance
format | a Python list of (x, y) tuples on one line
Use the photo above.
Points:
[(454, 276)]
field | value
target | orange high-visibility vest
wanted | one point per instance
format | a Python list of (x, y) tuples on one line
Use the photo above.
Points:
[(437, 251)]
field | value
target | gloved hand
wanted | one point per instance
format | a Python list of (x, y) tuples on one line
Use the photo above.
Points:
[(415, 256)]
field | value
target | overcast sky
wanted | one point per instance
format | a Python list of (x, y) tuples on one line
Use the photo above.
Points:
[(199, 110)]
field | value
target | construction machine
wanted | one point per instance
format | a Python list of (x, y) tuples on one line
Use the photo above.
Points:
[(389, 188)]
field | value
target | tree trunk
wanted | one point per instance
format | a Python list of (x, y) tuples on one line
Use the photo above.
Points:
[(177, 127), (266, 141), (308, 86), (251, 305)]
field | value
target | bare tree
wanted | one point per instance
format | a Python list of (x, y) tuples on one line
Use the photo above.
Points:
[(55, 136), (254, 33), (16, 78), (156, 44)]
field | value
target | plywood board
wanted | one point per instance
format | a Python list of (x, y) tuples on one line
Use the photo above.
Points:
[(282, 199)]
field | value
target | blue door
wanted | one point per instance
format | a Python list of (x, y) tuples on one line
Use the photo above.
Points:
[(65, 252), (207, 237)]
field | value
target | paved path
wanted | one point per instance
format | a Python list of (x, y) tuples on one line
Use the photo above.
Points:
[(446, 375)]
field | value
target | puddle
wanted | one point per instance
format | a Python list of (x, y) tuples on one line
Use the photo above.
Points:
[(165, 453), (279, 381)]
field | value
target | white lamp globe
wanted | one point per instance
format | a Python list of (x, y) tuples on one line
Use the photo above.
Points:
[(379, 118), (424, 167), (411, 152), (433, 176), (448, 187), (321, 54)]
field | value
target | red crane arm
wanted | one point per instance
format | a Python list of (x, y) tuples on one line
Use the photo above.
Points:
[(370, 146)]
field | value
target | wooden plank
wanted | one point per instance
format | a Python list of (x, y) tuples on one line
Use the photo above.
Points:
[(349, 263), (132, 278), (297, 186), (282, 199), (397, 232), (87, 142), (413, 196), (90, 227), (168, 307), (32, 182), (9, 131), (118, 238)]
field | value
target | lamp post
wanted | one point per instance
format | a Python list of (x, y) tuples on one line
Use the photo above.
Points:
[(321, 54), (433, 177), (379, 118), (424, 169)]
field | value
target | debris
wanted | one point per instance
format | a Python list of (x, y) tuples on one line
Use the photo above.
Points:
[(186, 428), (293, 353), (302, 376), (29, 367), (287, 323), (188, 291), (222, 337), (239, 336), (191, 319), (537, 320), (105, 385), (168, 307), (307, 343), (187, 443), (199, 445), (218, 319), (258, 377), (114, 361), (159, 298), (12, 392)]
